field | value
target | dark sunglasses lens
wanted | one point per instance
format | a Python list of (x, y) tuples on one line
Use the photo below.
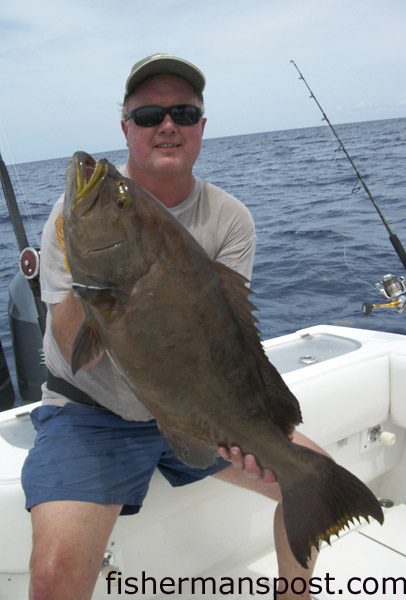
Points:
[(185, 114), (149, 116)]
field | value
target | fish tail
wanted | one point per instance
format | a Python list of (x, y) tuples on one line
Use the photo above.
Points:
[(323, 501)]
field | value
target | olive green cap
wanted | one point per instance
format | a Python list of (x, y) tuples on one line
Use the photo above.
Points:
[(164, 64)]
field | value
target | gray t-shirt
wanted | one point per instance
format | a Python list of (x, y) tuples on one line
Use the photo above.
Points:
[(219, 222)]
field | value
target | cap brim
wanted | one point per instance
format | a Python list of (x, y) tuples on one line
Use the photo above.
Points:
[(165, 66)]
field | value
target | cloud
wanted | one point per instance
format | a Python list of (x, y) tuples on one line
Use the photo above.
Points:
[(64, 64)]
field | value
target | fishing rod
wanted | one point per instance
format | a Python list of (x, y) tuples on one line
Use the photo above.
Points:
[(396, 243), (393, 288), (29, 256)]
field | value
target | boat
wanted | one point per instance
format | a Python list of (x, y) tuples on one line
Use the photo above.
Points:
[(214, 540), (216, 537)]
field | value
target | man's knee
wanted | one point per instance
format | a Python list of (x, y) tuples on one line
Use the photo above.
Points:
[(58, 575), (69, 539), (46, 575)]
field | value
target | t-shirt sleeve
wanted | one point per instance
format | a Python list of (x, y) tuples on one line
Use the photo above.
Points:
[(56, 281), (237, 232)]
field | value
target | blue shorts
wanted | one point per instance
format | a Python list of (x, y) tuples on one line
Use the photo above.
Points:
[(92, 455)]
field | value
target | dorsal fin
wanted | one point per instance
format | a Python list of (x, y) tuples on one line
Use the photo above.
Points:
[(280, 402)]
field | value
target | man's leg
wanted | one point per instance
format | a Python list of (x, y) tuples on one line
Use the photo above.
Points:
[(69, 540), (245, 473)]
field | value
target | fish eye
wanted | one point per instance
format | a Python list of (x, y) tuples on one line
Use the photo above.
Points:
[(122, 198)]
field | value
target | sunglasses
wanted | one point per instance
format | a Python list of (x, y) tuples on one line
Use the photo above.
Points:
[(150, 116)]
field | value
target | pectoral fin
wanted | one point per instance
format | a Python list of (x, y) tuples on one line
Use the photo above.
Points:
[(86, 347)]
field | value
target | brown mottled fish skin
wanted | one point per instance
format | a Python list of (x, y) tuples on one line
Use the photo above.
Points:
[(180, 329)]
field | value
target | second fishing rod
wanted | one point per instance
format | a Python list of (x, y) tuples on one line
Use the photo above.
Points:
[(396, 243)]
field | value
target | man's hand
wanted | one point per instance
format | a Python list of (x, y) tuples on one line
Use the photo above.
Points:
[(246, 463)]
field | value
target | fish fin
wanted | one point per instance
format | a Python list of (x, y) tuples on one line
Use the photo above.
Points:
[(281, 404), (86, 347), (189, 449), (322, 502)]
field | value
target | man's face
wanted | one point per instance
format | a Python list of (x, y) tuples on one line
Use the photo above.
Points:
[(167, 148)]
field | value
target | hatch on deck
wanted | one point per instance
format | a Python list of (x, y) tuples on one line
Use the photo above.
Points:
[(308, 349)]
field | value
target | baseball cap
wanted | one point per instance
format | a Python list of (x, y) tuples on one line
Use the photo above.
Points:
[(164, 64)]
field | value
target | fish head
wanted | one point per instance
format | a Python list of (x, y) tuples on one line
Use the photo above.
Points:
[(104, 217)]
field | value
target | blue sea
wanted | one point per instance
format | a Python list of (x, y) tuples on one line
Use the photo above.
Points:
[(320, 246)]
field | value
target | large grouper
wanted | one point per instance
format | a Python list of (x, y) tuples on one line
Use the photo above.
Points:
[(179, 327)]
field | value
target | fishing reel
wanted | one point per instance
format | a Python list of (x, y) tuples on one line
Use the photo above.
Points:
[(29, 262), (392, 288)]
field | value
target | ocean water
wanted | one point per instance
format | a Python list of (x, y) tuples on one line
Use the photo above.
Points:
[(320, 246)]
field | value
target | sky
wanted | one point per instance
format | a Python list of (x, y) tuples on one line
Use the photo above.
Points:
[(63, 65)]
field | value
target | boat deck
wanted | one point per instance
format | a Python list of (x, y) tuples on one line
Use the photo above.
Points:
[(368, 561)]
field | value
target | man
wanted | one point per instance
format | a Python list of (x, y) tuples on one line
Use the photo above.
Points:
[(74, 489)]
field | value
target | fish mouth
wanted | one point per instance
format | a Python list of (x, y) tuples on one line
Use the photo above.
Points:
[(84, 179)]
